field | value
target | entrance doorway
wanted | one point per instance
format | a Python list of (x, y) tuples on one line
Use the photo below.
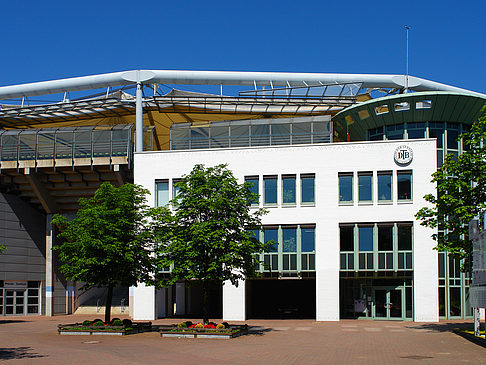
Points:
[(388, 303), (15, 302)]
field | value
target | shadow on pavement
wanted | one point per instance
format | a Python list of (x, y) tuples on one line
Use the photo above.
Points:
[(9, 353), (440, 327), (6, 321), (258, 330)]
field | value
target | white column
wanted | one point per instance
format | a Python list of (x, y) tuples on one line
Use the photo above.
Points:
[(425, 274), (130, 301), (327, 273), (143, 303), (234, 301), (180, 299)]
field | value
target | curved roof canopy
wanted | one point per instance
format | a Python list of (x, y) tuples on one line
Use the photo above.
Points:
[(414, 107)]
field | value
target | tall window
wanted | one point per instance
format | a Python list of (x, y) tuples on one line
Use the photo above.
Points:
[(270, 190), (269, 235), (308, 239), (346, 187), (307, 183), (365, 238), (162, 193), (288, 189), (346, 238), (175, 189), (404, 182), (289, 236), (384, 186), (365, 189), (253, 180), (385, 238), (404, 237)]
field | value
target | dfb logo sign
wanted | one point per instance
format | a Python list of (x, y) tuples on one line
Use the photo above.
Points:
[(403, 155)]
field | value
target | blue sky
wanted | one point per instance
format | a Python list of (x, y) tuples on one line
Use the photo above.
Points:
[(54, 39)]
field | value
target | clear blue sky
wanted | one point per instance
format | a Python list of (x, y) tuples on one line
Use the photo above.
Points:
[(44, 40)]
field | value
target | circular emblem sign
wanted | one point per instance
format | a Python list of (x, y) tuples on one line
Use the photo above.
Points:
[(403, 155)]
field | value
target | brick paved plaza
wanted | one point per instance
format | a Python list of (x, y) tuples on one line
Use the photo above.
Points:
[(34, 340)]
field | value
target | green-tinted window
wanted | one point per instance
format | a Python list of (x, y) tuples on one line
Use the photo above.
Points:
[(288, 189), (253, 180), (384, 186), (271, 234), (404, 237), (345, 187), (270, 190), (162, 193), (308, 189)]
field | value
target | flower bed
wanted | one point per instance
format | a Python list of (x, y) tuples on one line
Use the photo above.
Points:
[(97, 327), (211, 330)]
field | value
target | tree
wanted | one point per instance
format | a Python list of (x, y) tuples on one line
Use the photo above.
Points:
[(461, 194), (207, 234), (2, 248), (106, 244)]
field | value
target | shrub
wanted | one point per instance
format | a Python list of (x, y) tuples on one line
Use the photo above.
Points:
[(87, 323), (220, 326), (117, 322), (182, 325), (225, 324), (188, 323), (199, 325), (99, 324), (127, 322), (114, 319)]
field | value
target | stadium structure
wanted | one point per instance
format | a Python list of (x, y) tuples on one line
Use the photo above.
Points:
[(341, 161)]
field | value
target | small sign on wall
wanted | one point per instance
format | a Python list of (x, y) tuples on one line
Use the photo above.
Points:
[(9, 284), (403, 155)]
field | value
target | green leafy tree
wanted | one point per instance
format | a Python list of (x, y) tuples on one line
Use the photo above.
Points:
[(107, 243), (461, 194), (2, 248), (207, 235)]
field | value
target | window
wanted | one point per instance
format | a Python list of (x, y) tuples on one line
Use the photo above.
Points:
[(404, 237), (162, 193), (307, 183), (452, 136), (253, 181), (365, 186), (346, 187), (288, 189), (346, 238), (384, 186), (308, 239), (385, 238), (269, 235), (404, 182), (289, 237), (270, 190), (365, 238)]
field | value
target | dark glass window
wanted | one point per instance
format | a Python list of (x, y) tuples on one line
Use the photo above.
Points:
[(436, 130), (365, 189), (384, 186), (345, 188), (346, 238), (385, 238), (288, 189), (452, 135), (253, 180), (308, 239), (308, 188), (404, 181), (365, 238), (404, 237), (270, 190)]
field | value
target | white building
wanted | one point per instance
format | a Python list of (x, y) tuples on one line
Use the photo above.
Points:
[(341, 171)]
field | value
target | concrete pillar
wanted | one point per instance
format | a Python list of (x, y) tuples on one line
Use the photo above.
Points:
[(130, 301), (49, 269), (139, 118), (144, 303), (180, 299), (234, 301), (70, 298), (425, 274)]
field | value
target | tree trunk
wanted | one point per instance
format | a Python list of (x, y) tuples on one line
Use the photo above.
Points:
[(109, 298), (205, 302)]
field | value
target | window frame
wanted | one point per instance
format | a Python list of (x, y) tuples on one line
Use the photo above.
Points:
[(346, 174), (404, 172)]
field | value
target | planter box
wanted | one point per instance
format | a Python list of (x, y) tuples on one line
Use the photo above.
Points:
[(77, 329), (226, 333)]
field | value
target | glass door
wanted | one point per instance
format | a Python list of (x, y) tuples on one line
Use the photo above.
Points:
[(388, 303), (15, 302)]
